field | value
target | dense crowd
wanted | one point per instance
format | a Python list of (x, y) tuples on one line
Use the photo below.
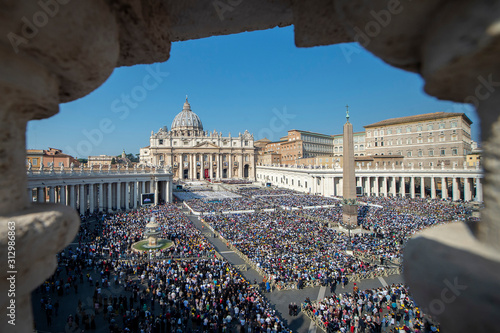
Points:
[(384, 309), (229, 204), (200, 293)]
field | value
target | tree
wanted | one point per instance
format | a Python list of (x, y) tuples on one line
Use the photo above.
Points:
[(113, 161)]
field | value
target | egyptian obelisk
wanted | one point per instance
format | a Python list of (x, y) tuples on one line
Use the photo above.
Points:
[(350, 208)]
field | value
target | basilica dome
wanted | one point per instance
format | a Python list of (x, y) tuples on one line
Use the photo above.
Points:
[(187, 120)]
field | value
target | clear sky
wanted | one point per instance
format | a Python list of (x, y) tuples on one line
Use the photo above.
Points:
[(257, 81)]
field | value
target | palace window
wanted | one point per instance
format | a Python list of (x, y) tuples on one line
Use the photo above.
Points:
[(441, 125), (161, 141), (420, 153), (431, 152), (454, 151), (389, 131), (430, 127), (408, 154), (442, 152), (408, 129), (454, 124)]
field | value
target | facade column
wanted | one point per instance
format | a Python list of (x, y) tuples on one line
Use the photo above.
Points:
[(412, 187), (211, 166), (433, 188), (170, 189), (454, 190), (52, 194), (444, 188), (376, 186), (230, 166), (62, 195), (422, 187), (110, 197), (202, 167), (135, 196), (91, 198), (467, 190), (219, 166), (83, 203), (127, 196), (143, 187), (156, 192), (479, 189), (240, 169), (118, 196)]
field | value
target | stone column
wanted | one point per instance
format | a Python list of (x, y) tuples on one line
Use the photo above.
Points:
[(83, 201), (377, 187), (127, 196), (422, 187), (62, 195), (479, 189), (384, 186), (52, 198), (219, 166), (91, 198), (211, 166), (467, 190), (454, 191), (368, 186), (156, 192), (230, 167), (202, 167), (433, 188), (412, 187), (100, 199), (402, 187), (72, 198), (134, 195), (118, 196), (240, 169), (444, 188), (143, 187), (110, 197), (393, 186), (170, 189)]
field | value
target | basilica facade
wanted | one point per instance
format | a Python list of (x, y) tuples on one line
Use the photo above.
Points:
[(196, 154)]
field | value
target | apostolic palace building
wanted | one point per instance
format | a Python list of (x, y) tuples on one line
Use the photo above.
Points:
[(194, 153)]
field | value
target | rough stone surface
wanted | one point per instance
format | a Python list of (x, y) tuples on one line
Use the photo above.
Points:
[(316, 23), (40, 232), (454, 278)]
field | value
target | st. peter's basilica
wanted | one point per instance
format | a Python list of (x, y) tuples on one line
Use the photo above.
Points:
[(197, 154)]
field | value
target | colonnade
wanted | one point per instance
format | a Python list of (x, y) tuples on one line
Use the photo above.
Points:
[(456, 185), (93, 192)]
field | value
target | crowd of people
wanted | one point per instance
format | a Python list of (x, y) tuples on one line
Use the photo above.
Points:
[(227, 204), (189, 289), (384, 309)]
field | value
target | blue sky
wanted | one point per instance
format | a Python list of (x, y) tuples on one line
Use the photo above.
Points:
[(257, 81)]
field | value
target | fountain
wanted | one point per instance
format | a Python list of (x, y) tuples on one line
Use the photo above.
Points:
[(151, 241)]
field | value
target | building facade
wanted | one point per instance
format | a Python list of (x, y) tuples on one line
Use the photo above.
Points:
[(425, 140), (103, 160), (197, 154), (49, 157)]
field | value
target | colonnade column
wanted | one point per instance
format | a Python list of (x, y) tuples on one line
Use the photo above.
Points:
[(135, 195), (230, 166), (40, 194), (454, 190), (402, 187), (127, 196), (479, 189), (100, 199), (91, 198), (412, 187), (72, 198), (368, 186), (422, 187), (62, 195), (52, 194), (467, 190), (82, 199), (110, 197), (384, 186), (156, 191), (118, 196), (393, 186), (219, 166), (376, 185), (433, 188), (444, 188)]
